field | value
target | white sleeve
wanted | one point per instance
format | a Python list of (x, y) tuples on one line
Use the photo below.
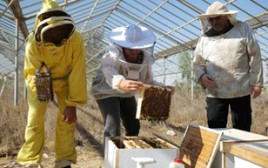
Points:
[(110, 70), (199, 63), (255, 62)]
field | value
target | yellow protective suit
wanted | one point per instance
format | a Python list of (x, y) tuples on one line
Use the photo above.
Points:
[(68, 71)]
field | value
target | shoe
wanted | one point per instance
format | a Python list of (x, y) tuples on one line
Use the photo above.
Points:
[(67, 166), (62, 164)]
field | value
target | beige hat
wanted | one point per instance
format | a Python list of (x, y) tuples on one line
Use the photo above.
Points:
[(217, 9), (132, 36)]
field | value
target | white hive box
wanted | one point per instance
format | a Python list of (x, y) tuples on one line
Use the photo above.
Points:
[(198, 149), (241, 149), (118, 156)]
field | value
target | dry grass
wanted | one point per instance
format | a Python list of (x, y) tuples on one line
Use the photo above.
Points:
[(12, 124), (260, 113), (185, 110), (89, 128)]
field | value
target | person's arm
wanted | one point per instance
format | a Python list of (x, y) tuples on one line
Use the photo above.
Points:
[(255, 63), (77, 81), (199, 65), (110, 68), (77, 78), (110, 71), (31, 63), (130, 85), (206, 81)]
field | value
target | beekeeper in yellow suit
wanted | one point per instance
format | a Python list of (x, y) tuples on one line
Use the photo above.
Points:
[(55, 42)]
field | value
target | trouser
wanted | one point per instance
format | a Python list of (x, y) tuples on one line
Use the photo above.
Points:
[(32, 149), (217, 112), (114, 108)]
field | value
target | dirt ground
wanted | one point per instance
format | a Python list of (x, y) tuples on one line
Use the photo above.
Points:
[(90, 152), (88, 136), (89, 129)]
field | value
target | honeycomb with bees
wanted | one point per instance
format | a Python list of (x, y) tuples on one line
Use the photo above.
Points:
[(153, 103)]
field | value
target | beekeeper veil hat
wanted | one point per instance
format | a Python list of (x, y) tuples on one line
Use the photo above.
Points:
[(53, 24), (214, 10), (133, 37)]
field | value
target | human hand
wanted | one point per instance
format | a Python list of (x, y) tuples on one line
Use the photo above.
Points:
[(69, 114), (207, 81), (255, 91), (130, 85)]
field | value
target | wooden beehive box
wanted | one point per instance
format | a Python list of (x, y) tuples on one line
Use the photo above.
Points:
[(199, 146), (153, 103)]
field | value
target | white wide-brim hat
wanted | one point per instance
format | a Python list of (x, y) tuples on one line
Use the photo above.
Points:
[(216, 9), (133, 37)]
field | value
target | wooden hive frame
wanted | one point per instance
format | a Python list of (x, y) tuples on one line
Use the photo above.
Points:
[(134, 142), (153, 103)]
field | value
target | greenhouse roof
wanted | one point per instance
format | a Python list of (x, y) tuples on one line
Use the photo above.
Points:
[(174, 23)]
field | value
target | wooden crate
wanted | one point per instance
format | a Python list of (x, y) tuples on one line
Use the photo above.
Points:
[(153, 103)]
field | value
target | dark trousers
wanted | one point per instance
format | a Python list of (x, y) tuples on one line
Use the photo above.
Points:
[(217, 112), (114, 108)]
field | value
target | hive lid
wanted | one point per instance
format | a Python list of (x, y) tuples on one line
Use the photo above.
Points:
[(199, 146)]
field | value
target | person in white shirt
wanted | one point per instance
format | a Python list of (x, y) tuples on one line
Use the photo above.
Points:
[(227, 62), (125, 67)]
